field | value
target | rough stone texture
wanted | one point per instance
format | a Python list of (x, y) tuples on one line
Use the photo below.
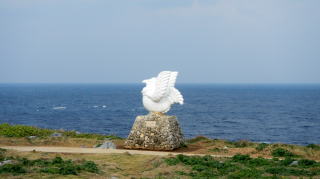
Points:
[(107, 145), (155, 132)]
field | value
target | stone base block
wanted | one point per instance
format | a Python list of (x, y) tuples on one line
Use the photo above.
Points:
[(155, 132)]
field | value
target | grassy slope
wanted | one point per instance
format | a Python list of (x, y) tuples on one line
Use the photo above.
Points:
[(222, 147), (127, 166)]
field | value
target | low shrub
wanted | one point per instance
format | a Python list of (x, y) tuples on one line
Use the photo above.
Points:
[(246, 173), (68, 169), (8, 130), (218, 150), (12, 168), (276, 170), (261, 146), (183, 145), (89, 166), (204, 166), (239, 143), (74, 134), (280, 152), (172, 161), (50, 170), (57, 160), (290, 171), (243, 166), (54, 166), (313, 146), (2, 152), (257, 162), (241, 158), (197, 139), (242, 144), (286, 162), (306, 163)]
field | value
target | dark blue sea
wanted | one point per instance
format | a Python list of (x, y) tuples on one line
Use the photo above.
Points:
[(261, 113)]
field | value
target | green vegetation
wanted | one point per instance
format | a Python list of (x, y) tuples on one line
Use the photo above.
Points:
[(313, 146), (261, 146), (243, 166), (74, 134), (240, 143), (216, 149), (183, 145), (12, 168), (8, 130), (197, 139), (52, 166), (289, 161), (2, 152), (280, 152)]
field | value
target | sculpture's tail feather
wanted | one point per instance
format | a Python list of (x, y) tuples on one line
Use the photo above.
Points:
[(175, 96)]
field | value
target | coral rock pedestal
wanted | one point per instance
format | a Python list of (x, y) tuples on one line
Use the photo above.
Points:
[(155, 132)]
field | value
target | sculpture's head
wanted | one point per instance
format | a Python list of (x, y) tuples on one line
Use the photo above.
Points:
[(150, 85)]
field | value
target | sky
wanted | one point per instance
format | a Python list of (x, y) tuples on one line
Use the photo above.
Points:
[(126, 41)]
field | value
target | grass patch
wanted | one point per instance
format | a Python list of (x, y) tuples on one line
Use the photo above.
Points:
[(243, 166), (57, 165), (281, 152), (74, 134), (8, 130), (240, 143), (261, 146), (197, 139), (183, 145), (307, 163), (2, 156), (51, 166), (2, 151), (313, 146), (246, 173), (283, 171), (14, 169), (216, 149)]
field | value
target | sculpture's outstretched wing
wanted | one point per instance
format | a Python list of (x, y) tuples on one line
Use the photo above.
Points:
[(173, 78), (165, 80), (175, 96)]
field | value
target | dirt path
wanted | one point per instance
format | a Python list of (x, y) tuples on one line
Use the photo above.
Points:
[(95, 151)]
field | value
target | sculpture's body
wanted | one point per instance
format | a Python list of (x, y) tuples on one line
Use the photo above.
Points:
[(157, 131), (160, 93)]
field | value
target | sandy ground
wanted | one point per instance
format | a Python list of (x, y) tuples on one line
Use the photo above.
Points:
[(96, 151)]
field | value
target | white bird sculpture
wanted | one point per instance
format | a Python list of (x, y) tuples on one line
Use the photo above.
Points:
[(160, 93)]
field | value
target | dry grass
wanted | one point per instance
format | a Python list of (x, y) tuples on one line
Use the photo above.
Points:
[(54, 141), (119, 165), (198, 145), (202, 145), (137, 166)]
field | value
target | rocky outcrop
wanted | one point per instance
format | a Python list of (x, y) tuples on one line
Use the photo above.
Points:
[(107, 145), (155, 131)]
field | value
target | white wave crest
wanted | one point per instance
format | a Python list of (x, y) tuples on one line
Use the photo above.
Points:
[(59, 108)]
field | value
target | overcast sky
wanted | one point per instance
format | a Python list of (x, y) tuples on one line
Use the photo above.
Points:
[(126, 41)]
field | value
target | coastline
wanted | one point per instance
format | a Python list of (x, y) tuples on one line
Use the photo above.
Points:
[(73, 146)]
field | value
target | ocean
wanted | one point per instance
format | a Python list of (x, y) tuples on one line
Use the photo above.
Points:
[(260, 113)]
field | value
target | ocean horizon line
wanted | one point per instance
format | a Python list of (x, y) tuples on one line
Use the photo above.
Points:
[(128, 83)]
